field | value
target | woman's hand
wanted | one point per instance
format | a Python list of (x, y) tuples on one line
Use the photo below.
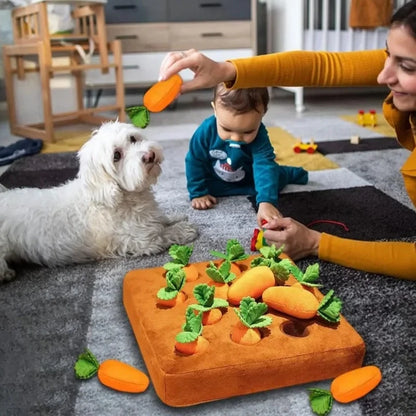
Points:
[(207, 73), (298, 240)]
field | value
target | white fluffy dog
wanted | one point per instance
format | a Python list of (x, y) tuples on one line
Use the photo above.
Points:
[(108, 210)]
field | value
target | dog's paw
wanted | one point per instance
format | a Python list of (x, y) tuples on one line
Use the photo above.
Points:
[(6, 274), (183, 232)]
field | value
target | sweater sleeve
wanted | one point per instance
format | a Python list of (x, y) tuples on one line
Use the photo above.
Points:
[(266, 180), (397, 259), (310, 69)]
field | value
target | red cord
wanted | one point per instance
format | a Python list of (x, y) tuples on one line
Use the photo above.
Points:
[(330, 222)]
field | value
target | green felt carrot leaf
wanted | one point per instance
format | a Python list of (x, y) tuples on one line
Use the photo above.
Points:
[(321, 401), (270, 258), (221, 274), (330, 307), (204, 295), (307, 278), (234, 251), (139, 115), (251, 313), (175, 280), (271, 252), (280, 269), (86, 366), (192, 328), (180, 255)]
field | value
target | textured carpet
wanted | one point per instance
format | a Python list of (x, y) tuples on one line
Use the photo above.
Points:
[(48, 316)]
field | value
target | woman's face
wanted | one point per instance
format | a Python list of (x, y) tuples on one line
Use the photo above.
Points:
[(399, 72)]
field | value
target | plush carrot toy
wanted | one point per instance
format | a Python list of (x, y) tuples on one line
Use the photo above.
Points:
[(345, 388), (156, 99), (303, 304), (190, 340), (181, 256), (221, 277), (172, 294), (208, 304), (234, 252), (252, 282), (270, 257), (161, 94), (251, 317), (112, 373)]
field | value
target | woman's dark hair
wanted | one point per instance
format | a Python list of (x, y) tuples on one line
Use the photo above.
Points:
[(406, 16), (242, 100)]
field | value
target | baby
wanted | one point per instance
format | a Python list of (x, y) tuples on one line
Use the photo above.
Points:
[(230, 154)]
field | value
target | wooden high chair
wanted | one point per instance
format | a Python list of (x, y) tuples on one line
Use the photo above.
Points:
[(34, 44)]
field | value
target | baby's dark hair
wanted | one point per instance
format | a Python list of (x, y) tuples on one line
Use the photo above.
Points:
[(406, 15), (242, 100)]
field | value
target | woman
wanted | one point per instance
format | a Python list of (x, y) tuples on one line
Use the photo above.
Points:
[(394, 67)]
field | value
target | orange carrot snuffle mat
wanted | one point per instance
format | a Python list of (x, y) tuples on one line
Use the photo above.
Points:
[(267, 317)]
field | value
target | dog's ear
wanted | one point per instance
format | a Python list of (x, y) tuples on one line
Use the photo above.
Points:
[(97, 173)]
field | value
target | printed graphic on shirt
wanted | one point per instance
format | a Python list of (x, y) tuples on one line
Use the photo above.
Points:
[(224, 168)]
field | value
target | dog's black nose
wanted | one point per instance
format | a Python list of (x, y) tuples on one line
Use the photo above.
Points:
[(149, 157)]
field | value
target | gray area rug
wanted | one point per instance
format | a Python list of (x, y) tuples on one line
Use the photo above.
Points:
[(49, 316)]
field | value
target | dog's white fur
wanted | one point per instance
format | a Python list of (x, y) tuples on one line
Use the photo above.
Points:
[(108, 210)]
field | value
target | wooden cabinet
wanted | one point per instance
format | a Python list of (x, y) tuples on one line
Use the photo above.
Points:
[(148, 29)]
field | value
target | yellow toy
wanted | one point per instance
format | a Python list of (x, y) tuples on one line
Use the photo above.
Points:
[(306, 147), (367, 119)]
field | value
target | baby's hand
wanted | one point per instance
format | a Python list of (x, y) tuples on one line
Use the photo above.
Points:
[(204, 202), (266, 213)]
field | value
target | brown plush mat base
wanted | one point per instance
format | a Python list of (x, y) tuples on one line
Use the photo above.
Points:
[(291, 351)]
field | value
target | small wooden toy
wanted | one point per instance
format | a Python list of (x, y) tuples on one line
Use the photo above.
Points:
[(305, 147)]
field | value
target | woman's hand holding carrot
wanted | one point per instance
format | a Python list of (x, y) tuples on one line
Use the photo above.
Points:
[(299, 241), (207, 73)]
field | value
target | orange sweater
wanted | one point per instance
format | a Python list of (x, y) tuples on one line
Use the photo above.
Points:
[(336, 69)]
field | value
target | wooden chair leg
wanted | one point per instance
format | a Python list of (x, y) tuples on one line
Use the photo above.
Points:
[(9, 87), (44, 72), (118, 70)]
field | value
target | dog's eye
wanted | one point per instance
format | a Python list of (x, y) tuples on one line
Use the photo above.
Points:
[(117, 156), (133, 139)]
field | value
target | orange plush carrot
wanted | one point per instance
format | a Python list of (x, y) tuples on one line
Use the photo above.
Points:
[(122, 377), (291, 300), (172, 294), (251, 317), (221, 276), (345, 388), (208, 305), (190, 340), (191, 272), (192, 347), (302, 304), (355, 384), (251, 283), (181, 256), (234, 252), (245, 335), (112, 373), (161, 94)]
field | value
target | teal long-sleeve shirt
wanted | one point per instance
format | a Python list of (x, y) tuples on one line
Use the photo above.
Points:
[(224, 167)]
